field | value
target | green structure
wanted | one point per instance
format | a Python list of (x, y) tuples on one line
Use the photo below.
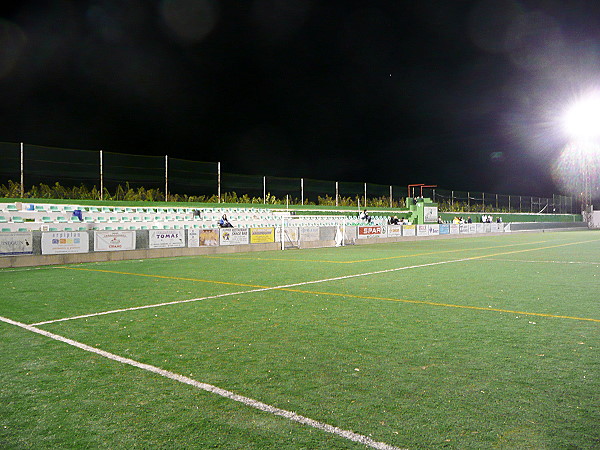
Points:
[(422, 210)]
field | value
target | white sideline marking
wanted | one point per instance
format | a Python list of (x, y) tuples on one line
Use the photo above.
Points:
[(587, 263), (227, 294), (350, 435)]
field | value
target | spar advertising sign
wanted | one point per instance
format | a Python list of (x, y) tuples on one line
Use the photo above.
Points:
[(110, 241), (61, 242), (234, 236), (17, 243), (371, 231), (166, 238)]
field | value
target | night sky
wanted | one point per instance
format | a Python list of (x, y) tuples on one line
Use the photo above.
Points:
[(463, 94)]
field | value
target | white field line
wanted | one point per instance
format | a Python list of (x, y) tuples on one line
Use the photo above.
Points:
[(227, 294), (586, 263), (350, 435)]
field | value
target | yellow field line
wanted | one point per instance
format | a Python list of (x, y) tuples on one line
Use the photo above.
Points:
[(165, 277), (438, 252), (422, 302), (448, 305)]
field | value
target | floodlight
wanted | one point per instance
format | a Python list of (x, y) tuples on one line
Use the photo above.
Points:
[(582, 119)]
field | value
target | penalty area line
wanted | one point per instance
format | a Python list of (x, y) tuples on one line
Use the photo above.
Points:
[(256, 404)]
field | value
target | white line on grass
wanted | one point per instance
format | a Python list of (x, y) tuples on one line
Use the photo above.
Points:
[(350, 435), (227, 294), (585, 263)]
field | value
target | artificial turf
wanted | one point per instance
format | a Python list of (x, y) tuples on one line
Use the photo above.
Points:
[(483, 342)]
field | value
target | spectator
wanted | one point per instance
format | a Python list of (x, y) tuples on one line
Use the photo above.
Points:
[(77, 213), (224, 223), (365, 216)]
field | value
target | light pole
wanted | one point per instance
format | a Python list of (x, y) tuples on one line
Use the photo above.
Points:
[(582, 125)]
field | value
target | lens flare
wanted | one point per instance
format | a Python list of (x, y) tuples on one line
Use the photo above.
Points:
[(582, 119), (577, 162)]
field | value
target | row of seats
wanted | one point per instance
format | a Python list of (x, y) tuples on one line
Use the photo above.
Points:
[(62, 217)]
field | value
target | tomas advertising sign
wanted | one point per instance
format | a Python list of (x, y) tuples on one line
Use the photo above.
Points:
[(166, 238)]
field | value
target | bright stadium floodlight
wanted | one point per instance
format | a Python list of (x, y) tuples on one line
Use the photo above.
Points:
[(582, 124), (582, 119)]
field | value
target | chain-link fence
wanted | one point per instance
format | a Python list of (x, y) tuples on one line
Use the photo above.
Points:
[(28, 165)]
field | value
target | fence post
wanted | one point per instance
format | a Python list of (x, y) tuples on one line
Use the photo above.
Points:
[(483, 200), (337, 193), (365, 195), (496, 201), (22, 176), (264, 190), (101, 177), (166, 178), (391, 204), (469, 200), (302, 190), (452, 199), (219, 182)]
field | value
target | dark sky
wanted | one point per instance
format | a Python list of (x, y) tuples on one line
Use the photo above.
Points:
[(462, 94)]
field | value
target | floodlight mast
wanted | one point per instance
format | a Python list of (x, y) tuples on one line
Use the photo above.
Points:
[(582, 124)]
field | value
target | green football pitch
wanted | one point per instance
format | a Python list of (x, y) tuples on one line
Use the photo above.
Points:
[(479, 342)]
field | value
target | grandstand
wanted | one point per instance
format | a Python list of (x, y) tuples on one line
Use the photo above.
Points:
[(60, 217)]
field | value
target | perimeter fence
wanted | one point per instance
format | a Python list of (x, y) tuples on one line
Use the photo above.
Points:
[(50, 172)]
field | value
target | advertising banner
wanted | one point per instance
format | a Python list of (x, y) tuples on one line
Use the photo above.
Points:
[(193, 237), (262, 235), (309, 233), (409, 230), (464, 228), (497, 227), (290, 234), (234, 236), (208, 238), (488, 227), (371, 231), (60, 242), (445, 228), (394, 230), (472, 227), (430, 214), (166, 238), (110, 241), (433, 230), (422, 230), (480, 227), (17, 243), (454, 228)]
